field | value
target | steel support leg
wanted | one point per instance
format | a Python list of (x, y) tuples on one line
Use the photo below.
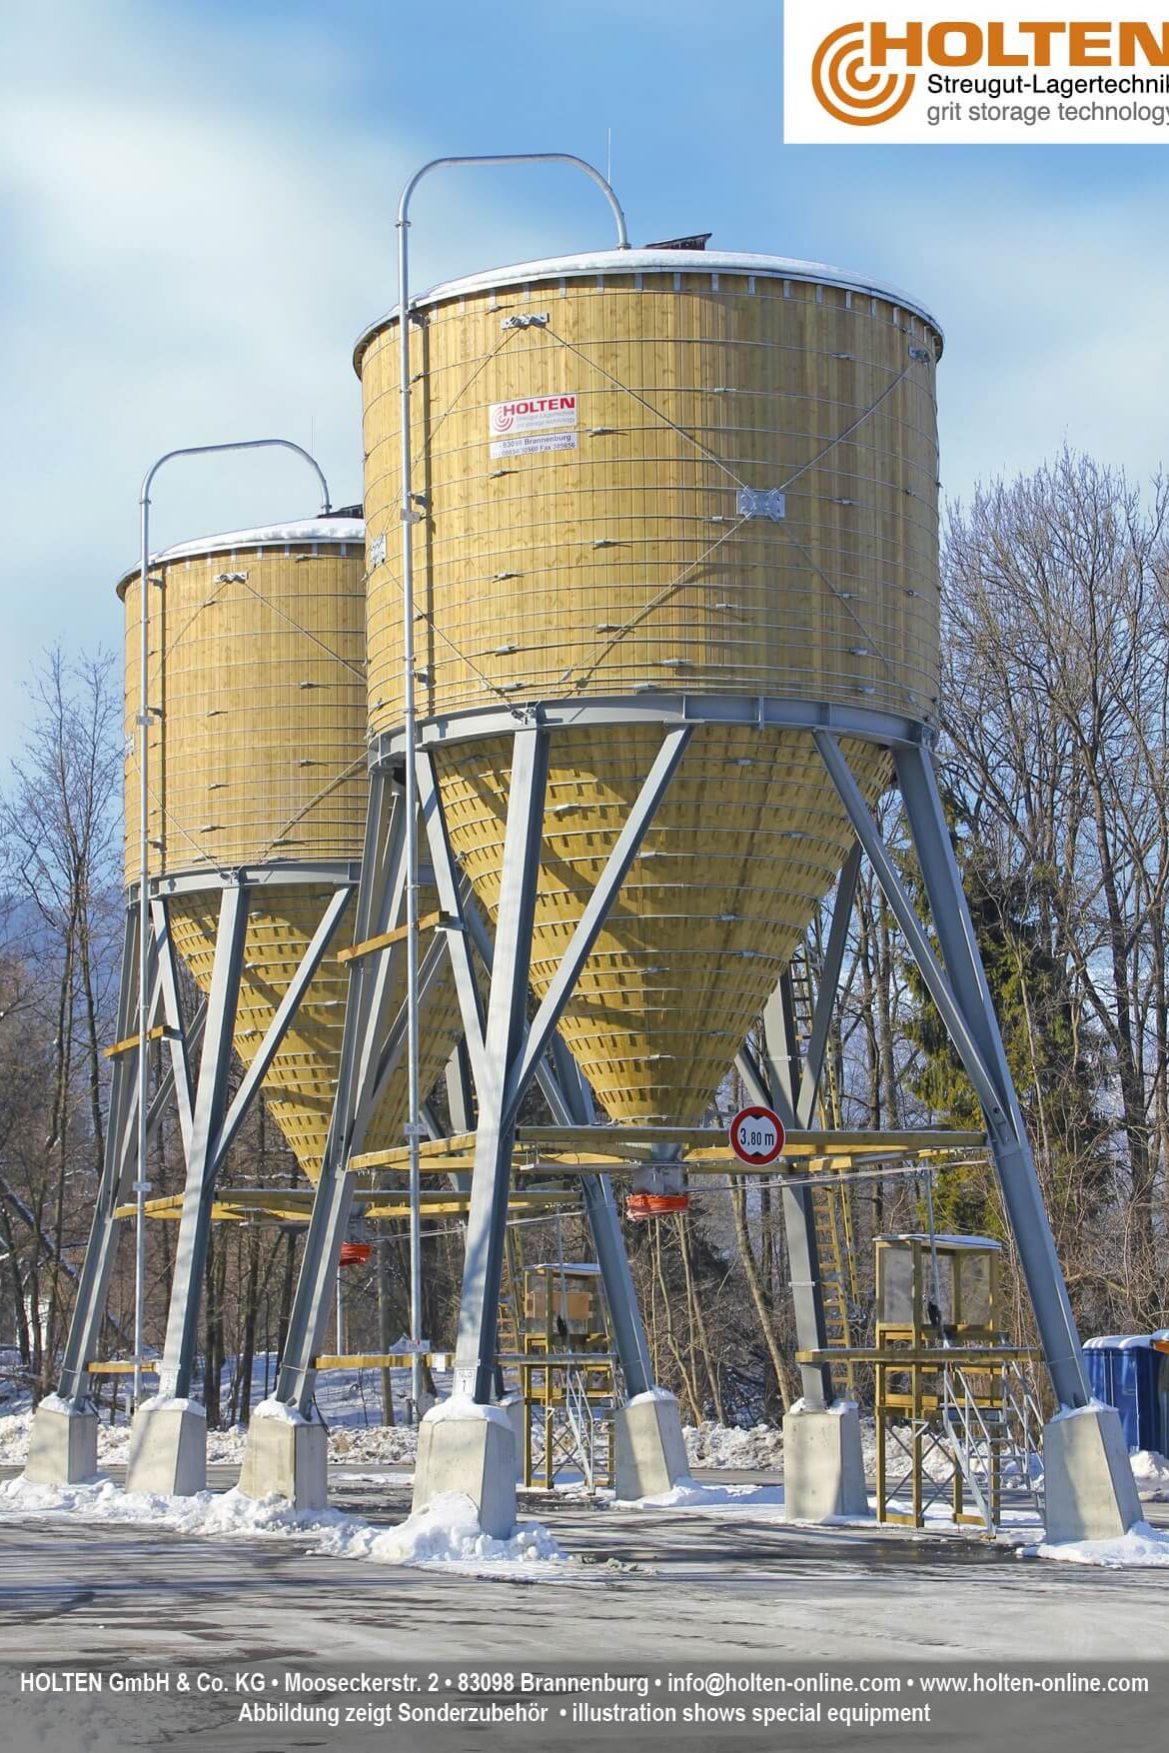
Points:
[(963, 998), (207, 1118), (574, 1107), (381, 899), (498, 1086), (118, 1168), (793, 1086), (1010, 1148)]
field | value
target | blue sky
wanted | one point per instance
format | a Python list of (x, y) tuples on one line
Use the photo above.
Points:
[(196, 220)]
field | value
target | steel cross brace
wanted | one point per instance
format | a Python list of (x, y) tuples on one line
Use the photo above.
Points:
[(571, 1102), (118, 1166), (506, 1054), (782, 1091), (960, 991), (791, 1087), (213, 1125), (371, 1047)]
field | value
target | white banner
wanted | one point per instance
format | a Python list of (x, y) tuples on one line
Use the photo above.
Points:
[(532, 423), (920, 73)]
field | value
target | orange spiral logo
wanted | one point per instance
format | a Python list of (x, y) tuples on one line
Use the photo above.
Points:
[(847, 90)]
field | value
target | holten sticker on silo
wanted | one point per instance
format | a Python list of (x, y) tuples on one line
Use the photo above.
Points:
[(532, 423)]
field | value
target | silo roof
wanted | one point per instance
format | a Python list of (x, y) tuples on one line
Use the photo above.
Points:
[(301, 533), (601, 262)]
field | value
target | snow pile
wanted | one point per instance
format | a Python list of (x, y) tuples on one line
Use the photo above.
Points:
[(14, 1429), (1142, 1546), (690, 1494), (207, 1512), (1151, 1472), (720, 1445), (392, 1445), (446, 1532)]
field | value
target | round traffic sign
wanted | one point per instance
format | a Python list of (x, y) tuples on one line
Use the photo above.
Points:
[(757, 1136)]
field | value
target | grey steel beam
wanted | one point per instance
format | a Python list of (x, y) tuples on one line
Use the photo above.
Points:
[(380, 901), (813, 1069), (570, 1100), (117, 1169), (182, 1325), (455, 906), (794, 1084), (799, 1222), (172, 1010), (754, 1082), (384, 907), (1010, 1147), (781, 1051), (329, 873), (571, 1080), (390, 1056), (129, 1131), (932, 972), (596, 911), (889, 729), (502, 1047), (277, 1029), (783, 1070), (459, 1089)]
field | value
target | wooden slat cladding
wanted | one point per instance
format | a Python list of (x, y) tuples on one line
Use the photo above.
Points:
[(302, 1081), (257, 670), (617, 565)]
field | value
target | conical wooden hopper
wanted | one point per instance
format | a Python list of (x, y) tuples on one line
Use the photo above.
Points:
[(585, 430), (258, 761)]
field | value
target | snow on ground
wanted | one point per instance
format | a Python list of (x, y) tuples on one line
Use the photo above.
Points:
[(719, 1445), (691, 1494), (446, 1533), (1151, 1472), (1142, 1546)]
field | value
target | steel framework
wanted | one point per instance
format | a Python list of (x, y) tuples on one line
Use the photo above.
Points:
[(504, 1052), (208, 1122)]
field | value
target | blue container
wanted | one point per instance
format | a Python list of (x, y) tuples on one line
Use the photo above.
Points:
[(1126, 1372)]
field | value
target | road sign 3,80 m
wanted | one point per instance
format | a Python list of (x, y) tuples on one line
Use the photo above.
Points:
[(757, 1136)]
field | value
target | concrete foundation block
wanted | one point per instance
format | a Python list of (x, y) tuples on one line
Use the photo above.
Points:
[(168, 1450), (1088, 1485), (515, 1406), (289, 1459), (823, 1464), (474, 1455), (649, 1453), (62, 1446)]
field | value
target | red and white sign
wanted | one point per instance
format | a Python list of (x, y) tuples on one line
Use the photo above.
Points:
[(757, 1136), (532, 423)]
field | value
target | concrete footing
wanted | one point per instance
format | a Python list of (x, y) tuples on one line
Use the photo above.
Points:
[(62, 1447), (287, 1458), (649, 1453), (823, 1465), (168, 1449), (1088, 1487), (474, 1455), (516, 1407)]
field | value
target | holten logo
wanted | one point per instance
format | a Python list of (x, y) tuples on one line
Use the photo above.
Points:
[(864, 73), (846, 84)]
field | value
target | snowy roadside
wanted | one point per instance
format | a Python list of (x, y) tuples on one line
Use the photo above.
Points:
[(446, 1533), (353, 1445)]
